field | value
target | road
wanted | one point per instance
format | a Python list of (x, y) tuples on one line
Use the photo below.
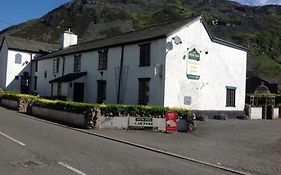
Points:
[(30, 146)]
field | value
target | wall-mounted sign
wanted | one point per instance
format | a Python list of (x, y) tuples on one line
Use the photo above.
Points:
[(171, 121), (140, 122), (193, 65), (187, 100)]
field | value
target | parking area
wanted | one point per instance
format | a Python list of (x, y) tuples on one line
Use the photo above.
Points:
[(252, 146)]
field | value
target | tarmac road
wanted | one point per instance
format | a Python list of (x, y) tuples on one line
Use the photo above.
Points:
[(29, 146)]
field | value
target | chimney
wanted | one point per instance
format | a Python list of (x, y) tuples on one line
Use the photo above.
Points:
[(67, 39)]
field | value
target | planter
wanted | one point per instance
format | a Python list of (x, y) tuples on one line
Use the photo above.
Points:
[(61, 116), (10, 104)]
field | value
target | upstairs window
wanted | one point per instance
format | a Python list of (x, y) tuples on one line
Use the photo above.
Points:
[(144, 91), (145, 54), (230, 96), (101, 94), (103, 55), (18, 58), (56, 65), (77, 63)]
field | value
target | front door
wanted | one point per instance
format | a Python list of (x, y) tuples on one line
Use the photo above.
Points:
[(24, 85), (78, 92)]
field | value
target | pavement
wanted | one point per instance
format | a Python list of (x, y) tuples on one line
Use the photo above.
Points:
[(252, 146), (31, 146)]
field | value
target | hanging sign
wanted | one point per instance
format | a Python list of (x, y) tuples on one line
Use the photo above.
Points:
[(171, 121), (193, 65)]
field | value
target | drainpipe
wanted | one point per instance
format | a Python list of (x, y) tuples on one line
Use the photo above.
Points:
[(30, 72), (120, 75), (63, 63)]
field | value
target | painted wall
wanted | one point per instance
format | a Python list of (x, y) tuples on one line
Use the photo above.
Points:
[(131, 73), (220, 66)]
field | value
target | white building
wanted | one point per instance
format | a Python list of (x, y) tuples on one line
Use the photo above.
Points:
[(177, 65), (16, 55)]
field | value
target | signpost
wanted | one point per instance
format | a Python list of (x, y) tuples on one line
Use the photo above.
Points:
[(171, 121)]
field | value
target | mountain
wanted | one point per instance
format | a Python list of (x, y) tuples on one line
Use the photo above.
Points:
[(256, 27)]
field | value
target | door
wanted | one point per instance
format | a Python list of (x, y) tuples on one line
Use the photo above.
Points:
[(24, 85), (78, 92)]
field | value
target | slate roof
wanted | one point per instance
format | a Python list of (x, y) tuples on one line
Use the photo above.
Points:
[(146, 34), (16, 43), (69, 77)]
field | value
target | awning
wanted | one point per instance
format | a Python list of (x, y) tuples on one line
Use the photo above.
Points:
[(68, 77)]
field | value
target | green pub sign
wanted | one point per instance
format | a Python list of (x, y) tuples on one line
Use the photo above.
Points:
[(193, 65)]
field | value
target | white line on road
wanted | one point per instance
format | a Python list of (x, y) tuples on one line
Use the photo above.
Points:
[(71, 168), (14, 140)]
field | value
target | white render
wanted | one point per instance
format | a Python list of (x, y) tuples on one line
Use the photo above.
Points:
[(10, 69), (221, 66), (68, 39)]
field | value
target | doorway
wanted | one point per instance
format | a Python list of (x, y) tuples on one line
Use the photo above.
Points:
[(78, 92), (24, 85)]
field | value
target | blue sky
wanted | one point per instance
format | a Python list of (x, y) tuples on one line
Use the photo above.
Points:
[(16, 11)]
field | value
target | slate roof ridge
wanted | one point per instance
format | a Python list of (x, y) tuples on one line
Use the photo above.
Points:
[(35, 44)]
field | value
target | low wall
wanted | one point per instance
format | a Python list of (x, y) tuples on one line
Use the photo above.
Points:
[(255, 113), (275, 113), (10, 104), (124, 122), (66, 117)]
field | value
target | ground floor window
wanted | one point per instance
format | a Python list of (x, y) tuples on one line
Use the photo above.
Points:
[(230, 96), (59, 89), (35, 83), (143, 91), (101, 94)]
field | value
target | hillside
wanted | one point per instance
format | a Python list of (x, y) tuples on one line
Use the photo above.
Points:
[(258, 28)]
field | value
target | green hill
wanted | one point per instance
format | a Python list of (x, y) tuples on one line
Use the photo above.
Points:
[(258, 28)]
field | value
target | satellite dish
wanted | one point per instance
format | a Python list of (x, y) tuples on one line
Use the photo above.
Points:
[(177, 40), (169, 46)]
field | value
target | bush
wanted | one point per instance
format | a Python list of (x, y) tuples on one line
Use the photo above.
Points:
[(106, 109)]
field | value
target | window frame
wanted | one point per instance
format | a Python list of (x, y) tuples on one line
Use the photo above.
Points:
[(230, 96), (145, 54), (18, 57), (144, 91), (77, 63), (103, 59), (56, 65), (101, 91)]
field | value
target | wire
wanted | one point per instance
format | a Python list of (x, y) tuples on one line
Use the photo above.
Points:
[(5, 22)]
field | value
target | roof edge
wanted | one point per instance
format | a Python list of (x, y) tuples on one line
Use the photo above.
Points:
[(221, 41)]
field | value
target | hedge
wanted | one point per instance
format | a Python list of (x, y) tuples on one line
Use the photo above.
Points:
[(106, 109)]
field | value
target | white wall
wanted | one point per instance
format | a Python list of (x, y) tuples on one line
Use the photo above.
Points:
[(44, 88), (131, 73), (222, 66), (14, 69)]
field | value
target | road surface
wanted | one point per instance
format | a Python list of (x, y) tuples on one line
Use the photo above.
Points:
[(30, 146)]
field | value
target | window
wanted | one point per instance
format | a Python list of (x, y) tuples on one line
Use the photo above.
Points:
[(230, 96), (101, 95), (56, 65), (144, 91), (36, 66), (35, 83), (18, 58), (59, 89), (45, 74), (103, 55), (77, 63), (145, 54)]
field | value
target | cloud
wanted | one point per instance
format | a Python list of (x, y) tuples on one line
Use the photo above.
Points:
[(259, 2)]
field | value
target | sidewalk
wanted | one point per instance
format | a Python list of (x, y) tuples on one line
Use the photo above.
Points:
[(250, 146)]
